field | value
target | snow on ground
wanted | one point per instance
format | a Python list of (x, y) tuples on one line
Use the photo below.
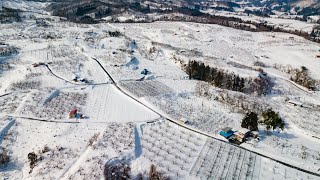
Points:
[(146, 88), (209, 116), (79, 149), (288, 24), (66, 150), (185, 155), (172, 148), (113, 106), (235, 51)]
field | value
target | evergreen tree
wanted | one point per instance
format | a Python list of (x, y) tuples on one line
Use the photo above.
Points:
[(250, 121), (272, 119)]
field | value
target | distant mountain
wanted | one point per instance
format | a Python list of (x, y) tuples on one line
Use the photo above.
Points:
[(306, 7), (300, 7), (92, 11)]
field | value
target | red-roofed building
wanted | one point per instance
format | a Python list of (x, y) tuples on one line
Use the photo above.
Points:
[(73, 113)]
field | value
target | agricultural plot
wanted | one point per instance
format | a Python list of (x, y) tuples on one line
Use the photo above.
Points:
[(25, 85), (219, 160), (53, 104), (289, 146), (67, 63), (305, 120), (206, 115), (160, 69), (146, 88), (57, 146), (116, 140), (119, 137), (168, 146), (107, 104), (10, 103)]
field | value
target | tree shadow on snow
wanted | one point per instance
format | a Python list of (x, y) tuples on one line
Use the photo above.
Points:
[(137, 143)]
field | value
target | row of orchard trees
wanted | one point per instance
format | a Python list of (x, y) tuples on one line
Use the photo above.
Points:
[(7, 50), (260, 85)]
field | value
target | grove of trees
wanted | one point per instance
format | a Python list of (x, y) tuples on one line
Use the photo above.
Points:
[(302, 77), (260, 85)]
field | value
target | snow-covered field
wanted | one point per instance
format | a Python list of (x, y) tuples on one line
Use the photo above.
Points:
[(124, 114), (186, 155)]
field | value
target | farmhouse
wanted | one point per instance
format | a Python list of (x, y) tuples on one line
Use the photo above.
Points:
[(226, 132), (242, 134), (73, 113)]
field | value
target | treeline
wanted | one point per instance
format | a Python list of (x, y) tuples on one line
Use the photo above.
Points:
[(194, 15), (79, 12), (260, 85), (238, 24), (299, 75)]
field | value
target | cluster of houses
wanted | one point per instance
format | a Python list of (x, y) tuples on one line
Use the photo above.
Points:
[(238, 136)]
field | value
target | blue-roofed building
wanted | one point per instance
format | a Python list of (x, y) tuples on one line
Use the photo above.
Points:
[(226, 132)]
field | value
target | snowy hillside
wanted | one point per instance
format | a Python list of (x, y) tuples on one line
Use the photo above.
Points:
[(138, 100)]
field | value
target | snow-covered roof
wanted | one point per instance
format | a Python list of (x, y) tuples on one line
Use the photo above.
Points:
[(243, 130), (226, 129)]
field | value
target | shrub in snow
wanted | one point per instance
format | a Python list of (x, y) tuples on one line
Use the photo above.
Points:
[(4, 157), (259, 63), (203, 89), (117, 169), (33, 158), (45, 149), (114, 33), (156, 175)]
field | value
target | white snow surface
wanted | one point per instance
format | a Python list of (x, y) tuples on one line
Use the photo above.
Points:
[(35, 101)]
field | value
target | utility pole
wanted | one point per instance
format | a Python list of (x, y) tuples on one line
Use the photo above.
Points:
[(189, 68)]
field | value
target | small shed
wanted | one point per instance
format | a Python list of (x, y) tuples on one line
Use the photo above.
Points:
[(73, 113), (242, 134), (226, 132)]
